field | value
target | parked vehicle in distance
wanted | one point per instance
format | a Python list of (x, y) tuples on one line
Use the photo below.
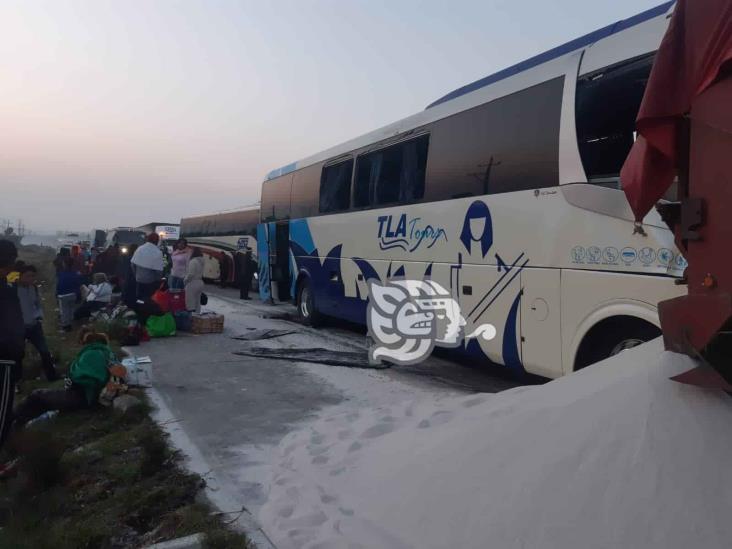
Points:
[(169, 235), (99, 238), (124, 237), (506, 192), (219, 236)]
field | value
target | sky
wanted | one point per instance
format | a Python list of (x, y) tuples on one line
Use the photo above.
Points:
[(129, 111)]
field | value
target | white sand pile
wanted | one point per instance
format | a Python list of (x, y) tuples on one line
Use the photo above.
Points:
[(616, 455)]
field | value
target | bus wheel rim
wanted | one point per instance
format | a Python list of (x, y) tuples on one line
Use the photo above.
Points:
[(625, 345), (304, 303)]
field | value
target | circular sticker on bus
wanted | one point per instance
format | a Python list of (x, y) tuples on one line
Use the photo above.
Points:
[(578, 254), (629, 255), (647, 255), (610, 255), (665, 256), (594, 254)]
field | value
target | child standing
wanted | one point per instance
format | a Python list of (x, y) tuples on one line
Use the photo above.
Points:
[(30, 304)]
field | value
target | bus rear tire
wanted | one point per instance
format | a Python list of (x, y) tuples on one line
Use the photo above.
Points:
[(612, 336), (306, 309)]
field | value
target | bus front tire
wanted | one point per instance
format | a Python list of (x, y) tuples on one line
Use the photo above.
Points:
[(306, 309), (612, 336)]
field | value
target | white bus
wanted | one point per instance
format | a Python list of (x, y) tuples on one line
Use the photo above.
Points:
[(506, 192), (219, 236)]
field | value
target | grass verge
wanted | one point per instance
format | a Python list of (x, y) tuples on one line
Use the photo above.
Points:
[(98, 478)]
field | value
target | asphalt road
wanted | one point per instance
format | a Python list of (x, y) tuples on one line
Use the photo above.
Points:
[(227, 412)]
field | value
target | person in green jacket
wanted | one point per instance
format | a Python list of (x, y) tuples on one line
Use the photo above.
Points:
[(88, 375)]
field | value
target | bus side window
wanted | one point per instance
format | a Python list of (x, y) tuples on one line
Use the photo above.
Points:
[(414, 164), (362, 185), (276, 195), (305, 190), (509, 144), (391, 175), (607, 103), (335, 187)]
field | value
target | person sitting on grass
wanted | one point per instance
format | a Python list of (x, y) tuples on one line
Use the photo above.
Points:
[(88, 375), (96, 296)]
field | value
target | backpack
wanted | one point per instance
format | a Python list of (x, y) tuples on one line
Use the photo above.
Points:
[(160, 325)]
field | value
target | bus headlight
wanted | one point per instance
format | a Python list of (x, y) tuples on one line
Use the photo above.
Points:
[(124, 249)]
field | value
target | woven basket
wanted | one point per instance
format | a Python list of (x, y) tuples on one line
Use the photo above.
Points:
[(207, 323)]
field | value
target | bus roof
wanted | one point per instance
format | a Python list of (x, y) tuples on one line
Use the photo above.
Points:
[(532, 62), (553, 53), (221, 224)]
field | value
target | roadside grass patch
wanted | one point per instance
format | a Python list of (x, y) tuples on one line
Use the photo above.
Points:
[(97, 479)]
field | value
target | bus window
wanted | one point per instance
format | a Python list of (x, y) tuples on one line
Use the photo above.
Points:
[(335, 187), (304, 197), (414, 159), (507, 145), (607, 104), (276, 198), (391, 175)]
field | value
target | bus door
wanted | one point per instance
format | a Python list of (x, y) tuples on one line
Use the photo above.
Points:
[(279, 259), (263, 262), (541, 334)]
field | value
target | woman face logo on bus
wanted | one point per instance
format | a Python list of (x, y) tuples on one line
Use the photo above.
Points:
[(477, 227)]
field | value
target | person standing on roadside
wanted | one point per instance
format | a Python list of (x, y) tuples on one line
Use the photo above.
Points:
[(223, 270), (77, 259), (30, 305), (111, 260), (180, 258), (167, 261), (129, 285), (68, 293), (194, 281), (63, 258), (245, 272), (147, 263), (100, 262), (12, 329), (87, 255)]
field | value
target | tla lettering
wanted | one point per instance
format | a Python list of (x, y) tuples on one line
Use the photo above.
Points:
[(407, 234), (401, 228)]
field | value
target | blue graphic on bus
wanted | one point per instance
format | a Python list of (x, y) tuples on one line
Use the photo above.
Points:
[(478, 211), (263, 255), (399, 231)]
